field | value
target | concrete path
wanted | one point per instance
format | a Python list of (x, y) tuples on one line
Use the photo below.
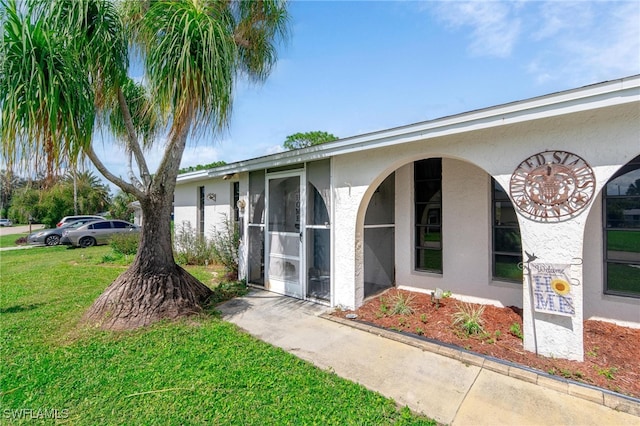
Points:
[(452, 387), (19, 229)]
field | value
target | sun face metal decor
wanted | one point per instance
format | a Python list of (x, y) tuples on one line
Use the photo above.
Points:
[(552, 186)]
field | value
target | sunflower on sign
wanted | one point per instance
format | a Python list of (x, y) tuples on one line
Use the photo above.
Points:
[(560, 286)]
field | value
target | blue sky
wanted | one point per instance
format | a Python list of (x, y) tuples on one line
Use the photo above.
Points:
[(355, 67)]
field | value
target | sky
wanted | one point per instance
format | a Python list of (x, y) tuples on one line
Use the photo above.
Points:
[(355, 67)]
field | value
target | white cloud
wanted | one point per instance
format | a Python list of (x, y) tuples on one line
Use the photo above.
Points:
[(494, 26), (199, 154), (586, 42), (574, 42), (274, 149)]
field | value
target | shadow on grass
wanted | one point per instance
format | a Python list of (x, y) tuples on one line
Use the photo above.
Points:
[(20, 308)]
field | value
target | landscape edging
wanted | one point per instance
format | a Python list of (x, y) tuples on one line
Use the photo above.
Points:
[(606, 397)]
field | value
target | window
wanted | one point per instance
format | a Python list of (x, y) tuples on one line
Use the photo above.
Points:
[(622, 231), (507, 246), (428, 214), (100, 225), (236, 198), (201, 211)]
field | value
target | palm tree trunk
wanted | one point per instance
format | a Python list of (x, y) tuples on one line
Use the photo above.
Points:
[(154, 287)]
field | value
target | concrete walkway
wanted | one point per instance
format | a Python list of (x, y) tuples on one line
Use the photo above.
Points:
[(450, 386)]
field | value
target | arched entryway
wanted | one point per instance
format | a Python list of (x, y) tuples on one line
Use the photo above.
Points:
[(379, 239)]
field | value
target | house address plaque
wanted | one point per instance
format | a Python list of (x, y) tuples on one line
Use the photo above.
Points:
[(552, 186)]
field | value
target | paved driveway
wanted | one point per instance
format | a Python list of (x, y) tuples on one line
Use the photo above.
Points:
[(19, 229)]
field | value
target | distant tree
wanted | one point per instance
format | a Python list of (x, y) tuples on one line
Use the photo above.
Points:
[(24, 203), (303, 140), (202, 167), (9, 182), (121, 206), (52, 202), (92, 195), (634, 188)]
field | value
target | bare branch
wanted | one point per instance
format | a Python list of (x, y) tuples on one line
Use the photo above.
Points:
[(132, 140), (125, 186)]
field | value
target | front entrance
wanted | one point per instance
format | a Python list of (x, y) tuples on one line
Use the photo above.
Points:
[(284, 242)]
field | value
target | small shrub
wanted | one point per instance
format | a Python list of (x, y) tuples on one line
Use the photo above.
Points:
[(419, 331), (125, 244), (423, 318), (21, 241), (384, 308), (516, 331), (224, 247), (227, 291), (469, 318), (401, 304), (566, 373), (190, 247), (609, 373)]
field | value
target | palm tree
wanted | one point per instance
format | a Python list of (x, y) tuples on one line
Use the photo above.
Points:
[(193, 51), (91, 195)]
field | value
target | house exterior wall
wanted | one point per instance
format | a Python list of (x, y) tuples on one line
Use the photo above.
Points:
[(606, 139), (466, 238), (600, 124), (215, 211)]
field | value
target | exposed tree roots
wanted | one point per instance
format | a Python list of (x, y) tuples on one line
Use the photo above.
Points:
[(136, 299)]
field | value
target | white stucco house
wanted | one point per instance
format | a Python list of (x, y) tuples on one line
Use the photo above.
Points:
[(528, 204)]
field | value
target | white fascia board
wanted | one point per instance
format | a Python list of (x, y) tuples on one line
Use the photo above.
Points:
[(601, 95)]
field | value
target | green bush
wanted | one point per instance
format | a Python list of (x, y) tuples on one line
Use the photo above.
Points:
[(469, 318), (224, 247), (227, 291), (190, 247), (125, 244)]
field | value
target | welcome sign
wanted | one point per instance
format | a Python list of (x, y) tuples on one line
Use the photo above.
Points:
[(552, 288)]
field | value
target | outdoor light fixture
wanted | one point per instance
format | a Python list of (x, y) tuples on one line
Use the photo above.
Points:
[(437, 295), (211, 196)]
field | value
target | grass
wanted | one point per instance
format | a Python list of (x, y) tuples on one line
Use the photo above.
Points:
[(190, 372), (10, 240), (469, 318), (619, 240)]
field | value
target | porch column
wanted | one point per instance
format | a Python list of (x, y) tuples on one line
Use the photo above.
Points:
[(553, 314), (348, 281)]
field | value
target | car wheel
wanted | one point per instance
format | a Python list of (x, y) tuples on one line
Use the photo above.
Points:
[(87, 242), (52, 240)]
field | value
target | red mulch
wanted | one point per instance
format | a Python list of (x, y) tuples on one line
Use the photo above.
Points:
[(612, 353)]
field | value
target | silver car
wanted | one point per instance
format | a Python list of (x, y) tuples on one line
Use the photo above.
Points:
[(52, 237), (97, 232)]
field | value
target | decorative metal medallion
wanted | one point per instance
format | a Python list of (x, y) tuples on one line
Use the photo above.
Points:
[(552, 186)]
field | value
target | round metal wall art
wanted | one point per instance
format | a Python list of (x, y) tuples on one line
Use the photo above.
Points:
[(552, 186)]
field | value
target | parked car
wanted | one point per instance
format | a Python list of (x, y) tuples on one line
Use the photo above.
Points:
[(52, 236), (97, 232), (68, 219), (5, 222)]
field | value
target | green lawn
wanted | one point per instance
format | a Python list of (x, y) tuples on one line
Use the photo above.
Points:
[(10, 240), (193, 372), (624, 240)]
